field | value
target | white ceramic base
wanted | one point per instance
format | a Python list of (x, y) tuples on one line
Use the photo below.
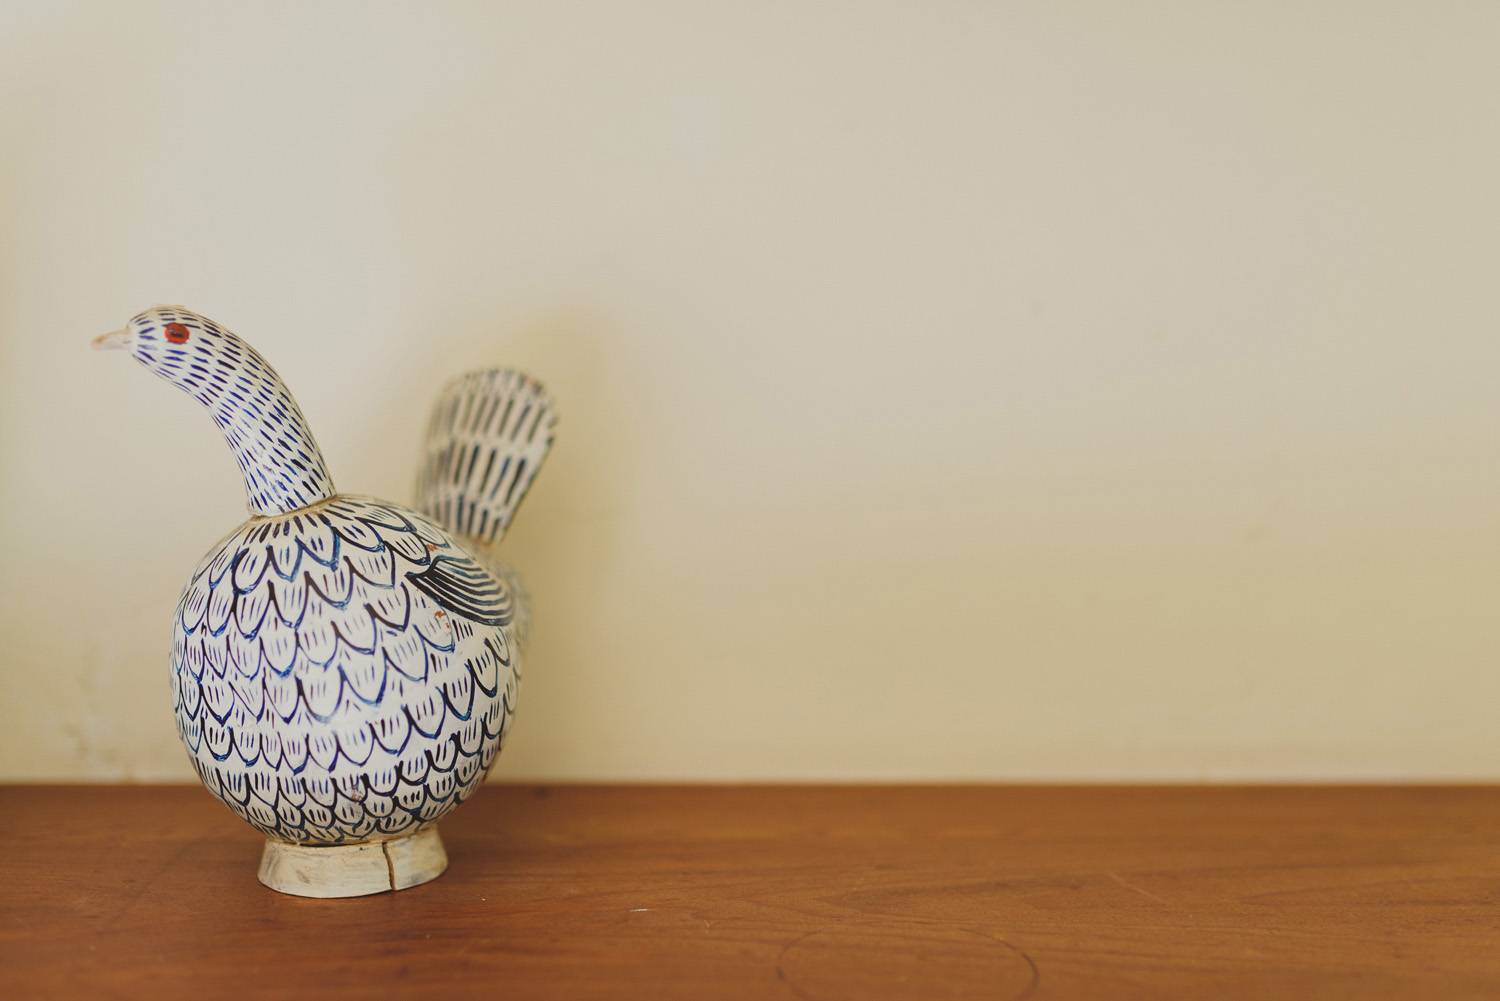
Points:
[(353, 870)]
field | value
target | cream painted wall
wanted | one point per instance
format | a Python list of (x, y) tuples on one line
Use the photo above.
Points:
[(949, 390)]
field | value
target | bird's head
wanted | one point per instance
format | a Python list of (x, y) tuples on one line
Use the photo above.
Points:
[(284, 470), (178, 345)]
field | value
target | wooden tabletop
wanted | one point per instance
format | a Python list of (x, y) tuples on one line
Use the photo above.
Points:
[(790, 892)]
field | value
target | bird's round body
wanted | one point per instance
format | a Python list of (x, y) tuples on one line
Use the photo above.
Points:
[(345, 673), (344, 670)]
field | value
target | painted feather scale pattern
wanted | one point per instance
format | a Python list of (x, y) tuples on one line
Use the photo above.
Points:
[(345, 673)]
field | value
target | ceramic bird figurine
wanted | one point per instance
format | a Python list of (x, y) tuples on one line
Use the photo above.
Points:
[(343, 669)]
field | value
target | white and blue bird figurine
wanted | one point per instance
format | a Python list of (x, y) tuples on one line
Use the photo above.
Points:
[(343, 669)]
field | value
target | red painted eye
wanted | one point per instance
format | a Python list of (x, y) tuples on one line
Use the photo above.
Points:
[(177, 333)]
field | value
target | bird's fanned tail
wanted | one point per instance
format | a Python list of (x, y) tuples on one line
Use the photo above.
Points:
[(487, 438)]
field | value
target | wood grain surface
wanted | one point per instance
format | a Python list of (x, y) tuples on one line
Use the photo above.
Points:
[(790, 892)]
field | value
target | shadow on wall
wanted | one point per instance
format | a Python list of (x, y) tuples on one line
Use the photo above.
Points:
[(565, 538)]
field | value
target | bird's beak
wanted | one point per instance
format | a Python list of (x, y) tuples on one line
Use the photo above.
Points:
[(114, 340)]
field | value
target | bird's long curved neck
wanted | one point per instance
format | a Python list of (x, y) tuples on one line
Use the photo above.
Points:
[(282, 466)]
